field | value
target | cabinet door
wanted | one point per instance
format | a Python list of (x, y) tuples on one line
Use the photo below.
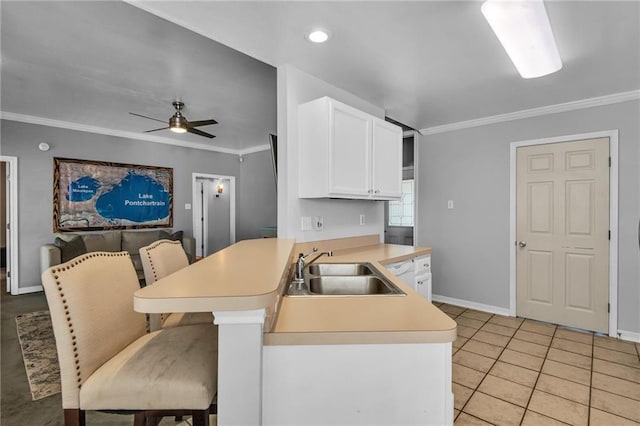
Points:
[(387, 160), (349, 151)]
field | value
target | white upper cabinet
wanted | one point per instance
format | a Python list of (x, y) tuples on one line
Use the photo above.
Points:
[(347, 153)]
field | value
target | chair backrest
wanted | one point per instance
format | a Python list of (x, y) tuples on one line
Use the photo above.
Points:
[(162, 258), (91, 304)]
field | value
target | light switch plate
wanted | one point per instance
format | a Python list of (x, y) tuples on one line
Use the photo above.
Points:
[(450, 204), (306, 223), (187, 206)]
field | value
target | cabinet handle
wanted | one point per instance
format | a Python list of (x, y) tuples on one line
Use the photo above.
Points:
[(377, 191), (370, 191)]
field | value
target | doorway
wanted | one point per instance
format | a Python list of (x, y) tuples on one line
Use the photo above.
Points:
[(213, 212), (563, 229), (9, 222), (399, 216)]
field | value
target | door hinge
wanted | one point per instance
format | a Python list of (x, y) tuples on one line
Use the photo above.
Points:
[(8, 274), (8, 226), (609, 161), (609, 235), (609, 307)]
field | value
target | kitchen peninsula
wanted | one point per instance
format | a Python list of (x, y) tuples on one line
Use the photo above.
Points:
[(315, 360)]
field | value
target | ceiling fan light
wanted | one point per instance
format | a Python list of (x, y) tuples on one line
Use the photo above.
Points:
[(525, 33), (178, 124)]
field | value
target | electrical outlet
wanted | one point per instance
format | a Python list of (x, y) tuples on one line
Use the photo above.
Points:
[(306, 223), (187, 206), (319, 223), (363, 219), (450, 204)]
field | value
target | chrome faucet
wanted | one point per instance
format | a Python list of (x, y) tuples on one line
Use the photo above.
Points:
[(301, 261)]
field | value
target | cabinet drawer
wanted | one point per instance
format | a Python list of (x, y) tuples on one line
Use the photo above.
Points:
[(422, 264)]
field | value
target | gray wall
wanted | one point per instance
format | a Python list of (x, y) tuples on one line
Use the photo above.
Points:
[(257, 198), (471, 166), (35, 180)]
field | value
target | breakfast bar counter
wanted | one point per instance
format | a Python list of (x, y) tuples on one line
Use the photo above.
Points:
[(395, 349)]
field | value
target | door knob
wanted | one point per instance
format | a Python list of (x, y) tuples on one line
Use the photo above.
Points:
[(522, 244)]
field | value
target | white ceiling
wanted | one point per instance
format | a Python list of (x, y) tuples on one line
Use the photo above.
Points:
[(427, 63)]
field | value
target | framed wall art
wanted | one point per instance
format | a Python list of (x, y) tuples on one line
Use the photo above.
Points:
[(95, 195)]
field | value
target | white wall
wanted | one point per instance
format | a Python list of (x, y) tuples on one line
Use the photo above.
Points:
[(471, 166), (341, 217)]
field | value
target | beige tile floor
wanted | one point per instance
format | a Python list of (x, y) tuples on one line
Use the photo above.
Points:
[(512, 371)]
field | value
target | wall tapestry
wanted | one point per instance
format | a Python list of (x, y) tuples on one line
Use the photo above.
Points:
[(95, 195)]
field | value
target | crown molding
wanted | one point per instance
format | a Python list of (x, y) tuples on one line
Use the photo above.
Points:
[(254, 149), (535, 112), (117, 133)]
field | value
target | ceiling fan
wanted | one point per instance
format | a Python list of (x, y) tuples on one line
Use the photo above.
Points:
[(178, 123)]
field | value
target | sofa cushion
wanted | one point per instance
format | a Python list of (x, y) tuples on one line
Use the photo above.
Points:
[(167, 235), (132, 241), (70, 248), (104, 241)]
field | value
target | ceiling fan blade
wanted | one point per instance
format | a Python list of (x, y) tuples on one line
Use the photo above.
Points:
[(150, 118), (202, 123), (155, 130), (200, 133)]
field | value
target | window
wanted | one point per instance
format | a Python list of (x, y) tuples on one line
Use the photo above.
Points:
[(401, 212)]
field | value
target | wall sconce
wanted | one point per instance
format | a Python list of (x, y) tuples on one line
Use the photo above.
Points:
[(219, 190)]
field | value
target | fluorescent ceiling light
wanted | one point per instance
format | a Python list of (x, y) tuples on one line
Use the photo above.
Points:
[(318, 36), (525, 33)]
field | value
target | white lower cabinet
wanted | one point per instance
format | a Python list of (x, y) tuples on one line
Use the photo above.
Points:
[(415, 273), (357, 384), (423, 280), (346, 153)]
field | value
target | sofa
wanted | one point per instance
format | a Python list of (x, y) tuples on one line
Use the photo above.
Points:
[(68, 245)]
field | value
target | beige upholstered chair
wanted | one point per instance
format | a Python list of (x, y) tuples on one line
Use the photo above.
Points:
[(108, 361), (162, 258)]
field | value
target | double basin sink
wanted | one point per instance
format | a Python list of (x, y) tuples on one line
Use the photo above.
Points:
[(343, 279)]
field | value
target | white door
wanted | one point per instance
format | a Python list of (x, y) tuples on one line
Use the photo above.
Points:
[(387, 160), (562, 231), (5, 199), (349, 151)]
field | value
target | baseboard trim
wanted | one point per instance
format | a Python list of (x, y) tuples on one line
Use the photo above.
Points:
[(629, 335), (32, 289), (473, 305)]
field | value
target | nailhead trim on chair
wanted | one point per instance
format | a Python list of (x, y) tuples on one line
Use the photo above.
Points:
[(153, 268), (68, 266), (151, 247)]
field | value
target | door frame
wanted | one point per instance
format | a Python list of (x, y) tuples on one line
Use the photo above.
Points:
[(613, 216), (195, 191), (12, 220)]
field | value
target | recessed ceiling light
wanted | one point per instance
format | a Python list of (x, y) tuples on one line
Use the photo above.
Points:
[(318, 36)]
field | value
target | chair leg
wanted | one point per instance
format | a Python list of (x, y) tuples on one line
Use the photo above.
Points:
[(153, 421), (200, 417), (74, 417), (139, 419)]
